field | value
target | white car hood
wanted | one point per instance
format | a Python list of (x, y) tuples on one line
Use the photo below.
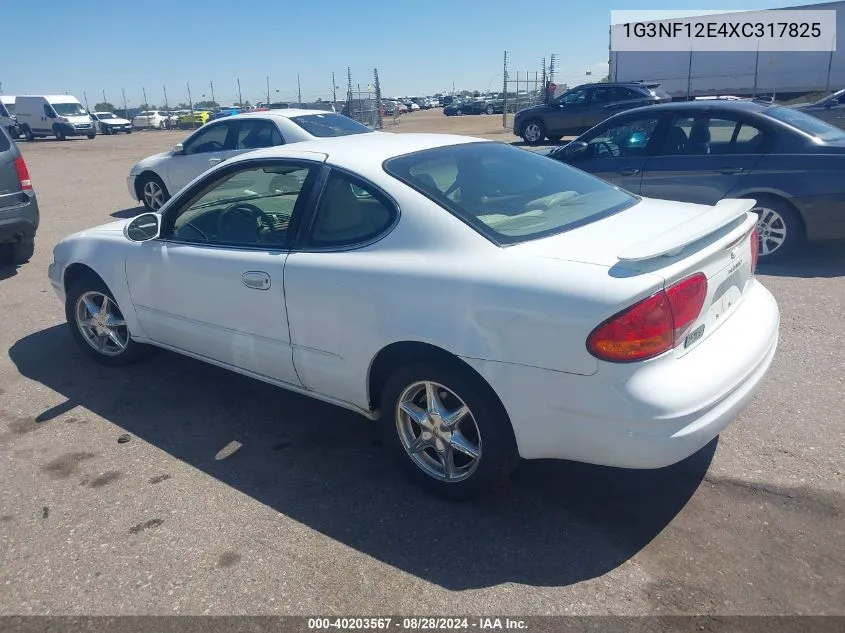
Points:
[(632, 234), (149, 162), (110, 227)]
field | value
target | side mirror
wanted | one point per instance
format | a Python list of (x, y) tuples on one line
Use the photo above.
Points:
[(178, 148), (574, 149), (828, 105), (143, 228)]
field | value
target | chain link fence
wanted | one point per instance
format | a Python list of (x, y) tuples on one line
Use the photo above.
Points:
[(363, 103), (523, 89)]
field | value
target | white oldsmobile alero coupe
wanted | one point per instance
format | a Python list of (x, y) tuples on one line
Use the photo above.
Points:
[(481, 302)]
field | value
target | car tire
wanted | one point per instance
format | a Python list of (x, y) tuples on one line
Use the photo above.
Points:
[(779, 226), (60, 136), (490, 109), (129, 131), (424, 455), (91, 137), (533, 132), (27, 133), (17, 253), (89, 293), (148, 185)]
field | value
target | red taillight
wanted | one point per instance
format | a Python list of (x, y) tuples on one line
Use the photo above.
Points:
[(23, 173), (652, 326), (755, 249)]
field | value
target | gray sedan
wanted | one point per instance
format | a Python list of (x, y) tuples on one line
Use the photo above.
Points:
[(790, 162)]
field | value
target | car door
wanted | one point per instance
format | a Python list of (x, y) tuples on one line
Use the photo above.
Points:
[(325, 284), (703, 157), (212, 284), (207, 147), (568, 113), (618, 150)]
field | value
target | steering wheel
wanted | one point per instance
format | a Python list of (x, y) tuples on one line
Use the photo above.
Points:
[(249, 210), (603, 149)]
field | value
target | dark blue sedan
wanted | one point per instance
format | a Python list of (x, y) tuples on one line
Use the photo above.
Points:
[(791, 163)]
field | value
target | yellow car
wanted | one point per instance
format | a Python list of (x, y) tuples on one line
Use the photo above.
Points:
[(194, 119)]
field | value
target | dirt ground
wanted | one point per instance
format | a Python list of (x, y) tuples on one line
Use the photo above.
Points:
[(310, 516)]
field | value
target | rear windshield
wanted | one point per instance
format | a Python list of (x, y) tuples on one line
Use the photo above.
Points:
[(806, 123), (5, 143), (509, 195), (330, 124)]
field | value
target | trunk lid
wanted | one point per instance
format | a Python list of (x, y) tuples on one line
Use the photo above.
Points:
[(673, 240)]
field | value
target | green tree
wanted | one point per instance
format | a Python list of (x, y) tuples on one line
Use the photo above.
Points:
[(183, 106), (206, 105), (103, 106)]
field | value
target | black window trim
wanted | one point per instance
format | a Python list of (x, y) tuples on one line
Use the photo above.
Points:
[(188, 196), (304, 228)]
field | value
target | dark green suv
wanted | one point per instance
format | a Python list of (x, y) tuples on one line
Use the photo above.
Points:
[(582, 107)]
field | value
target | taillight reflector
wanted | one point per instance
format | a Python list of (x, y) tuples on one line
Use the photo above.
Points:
[(652, 326), (23, 173), (755, 249)]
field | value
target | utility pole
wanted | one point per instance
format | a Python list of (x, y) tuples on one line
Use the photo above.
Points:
[(211, 83), (144, 90), (334, 91), (84, 96), (125, 109), (190, 102), (240, 98), (165, 98), (268, 91), (104, 97), (298, 90), (505, 89)]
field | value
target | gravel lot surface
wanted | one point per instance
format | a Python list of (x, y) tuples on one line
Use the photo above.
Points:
[(310, 516)]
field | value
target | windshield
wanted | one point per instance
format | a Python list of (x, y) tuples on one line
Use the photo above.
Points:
[(68, 109), (331, 124), (508, 194), (105, 115), (806, 123)]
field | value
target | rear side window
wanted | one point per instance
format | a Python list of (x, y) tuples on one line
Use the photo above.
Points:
[(806, 123), (5, 143), (329, 124), (507, 194), (3, 110)]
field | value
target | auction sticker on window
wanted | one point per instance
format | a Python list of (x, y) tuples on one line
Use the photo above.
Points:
[(775, 30)]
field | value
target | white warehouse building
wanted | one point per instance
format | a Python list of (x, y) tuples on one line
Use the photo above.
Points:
[(741, 73)]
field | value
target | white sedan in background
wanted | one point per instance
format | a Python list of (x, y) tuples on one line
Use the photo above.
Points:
[(151, 119), (478, 301), (156, 178)]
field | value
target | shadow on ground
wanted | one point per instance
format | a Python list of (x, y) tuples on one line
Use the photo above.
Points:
[(131, 212), (7, 270), (815, 259), (557, 523)]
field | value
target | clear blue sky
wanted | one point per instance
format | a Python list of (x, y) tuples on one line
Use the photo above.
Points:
[(419, 46)]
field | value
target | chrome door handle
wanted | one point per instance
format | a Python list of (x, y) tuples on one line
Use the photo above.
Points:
[(629, 171), (256, 280), (728, 169), (215, 161)]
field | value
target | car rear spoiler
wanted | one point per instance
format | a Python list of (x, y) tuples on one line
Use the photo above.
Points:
[(674, 240)]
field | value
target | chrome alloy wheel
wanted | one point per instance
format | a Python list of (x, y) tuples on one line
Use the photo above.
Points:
[(771, 230), (101, 323), (438, 431), (532, 133), (153, 195)]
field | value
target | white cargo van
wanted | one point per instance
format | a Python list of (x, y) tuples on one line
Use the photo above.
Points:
[(7, 115), (53, 115)]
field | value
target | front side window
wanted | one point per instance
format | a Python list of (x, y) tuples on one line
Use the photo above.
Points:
[(350, 212), (10, 108), (251, 207), (628, 138), (576, 97), (48, 111), (507, 194), (208, 139), (69, 109), (329, 124)]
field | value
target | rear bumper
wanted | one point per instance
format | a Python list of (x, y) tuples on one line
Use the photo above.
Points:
[(70, 130), (19, 220), (643, 415)]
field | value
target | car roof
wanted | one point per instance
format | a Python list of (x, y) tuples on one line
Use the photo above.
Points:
[(362, 152), (715, 104), (285, 113)]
